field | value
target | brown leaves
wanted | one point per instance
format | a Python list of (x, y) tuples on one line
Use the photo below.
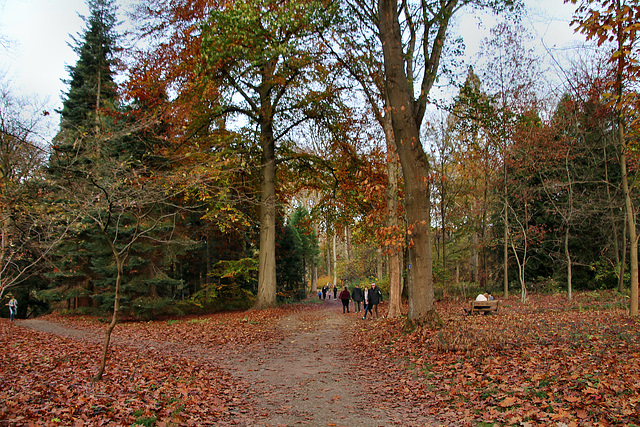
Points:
[(45, 379), (547, 362)]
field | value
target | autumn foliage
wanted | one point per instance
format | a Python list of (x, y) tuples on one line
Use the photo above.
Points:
[(152, 377), (549, 362)]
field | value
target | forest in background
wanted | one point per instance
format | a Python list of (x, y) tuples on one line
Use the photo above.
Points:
[(223, 156)]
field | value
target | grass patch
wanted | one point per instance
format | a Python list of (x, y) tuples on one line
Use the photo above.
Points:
[(145, 421)]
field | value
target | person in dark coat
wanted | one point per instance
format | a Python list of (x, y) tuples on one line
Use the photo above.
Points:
[(357, 296), (345, 297), (375, 298), (324, 292), (335, 292)]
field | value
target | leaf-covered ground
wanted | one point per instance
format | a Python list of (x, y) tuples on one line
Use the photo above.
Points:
[(544, 363), (45, 379), (548, 362)]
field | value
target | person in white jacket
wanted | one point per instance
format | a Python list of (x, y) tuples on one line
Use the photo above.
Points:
[(13, 308)]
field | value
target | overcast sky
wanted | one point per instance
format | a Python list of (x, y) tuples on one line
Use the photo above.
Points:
[(38, 32)]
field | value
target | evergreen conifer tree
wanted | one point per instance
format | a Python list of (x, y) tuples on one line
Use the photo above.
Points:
[(92, 90), (92, 94)]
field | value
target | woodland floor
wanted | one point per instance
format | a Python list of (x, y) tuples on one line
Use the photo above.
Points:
[(547, 362)]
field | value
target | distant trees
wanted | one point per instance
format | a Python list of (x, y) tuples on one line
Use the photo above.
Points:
[(555, 174)]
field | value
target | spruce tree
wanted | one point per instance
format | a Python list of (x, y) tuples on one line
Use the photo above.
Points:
[(92, 96), (92, 90)]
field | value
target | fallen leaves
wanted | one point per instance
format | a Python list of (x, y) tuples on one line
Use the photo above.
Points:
[(46, 379), (547, 361)]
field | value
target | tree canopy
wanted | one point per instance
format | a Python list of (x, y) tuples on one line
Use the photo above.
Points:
[(185, 166)]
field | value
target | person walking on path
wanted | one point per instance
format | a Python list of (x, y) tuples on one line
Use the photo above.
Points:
[(367, 303), (13, 308), (375, 298), (335, 291), (345, 297), (324, 292), (357, 296)]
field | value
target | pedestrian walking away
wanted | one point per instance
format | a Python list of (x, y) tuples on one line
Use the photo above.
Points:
[(375, 298), (357, 296), (345, 297)]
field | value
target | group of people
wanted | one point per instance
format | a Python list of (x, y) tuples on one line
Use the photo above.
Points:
[(369, 298), (485, 297), (322, 294)]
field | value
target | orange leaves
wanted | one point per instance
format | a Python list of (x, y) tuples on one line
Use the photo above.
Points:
[(546, 363), (508, 402), (543, 363), (46, 379)]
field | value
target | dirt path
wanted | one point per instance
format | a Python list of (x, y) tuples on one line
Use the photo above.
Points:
[(312, 377)]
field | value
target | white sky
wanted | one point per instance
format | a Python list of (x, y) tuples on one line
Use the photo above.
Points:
[(39, 31)]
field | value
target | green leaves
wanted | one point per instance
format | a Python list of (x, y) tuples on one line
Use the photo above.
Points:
[(252, 36)]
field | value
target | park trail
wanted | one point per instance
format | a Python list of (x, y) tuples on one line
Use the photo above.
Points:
[(312, 377)]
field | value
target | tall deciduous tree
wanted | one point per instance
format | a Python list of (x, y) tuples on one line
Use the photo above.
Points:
[(359, 55), (266, 55), (426, 25), (615, 23)]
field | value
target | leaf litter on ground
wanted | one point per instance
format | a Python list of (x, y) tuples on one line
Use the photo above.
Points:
[(546, 362)]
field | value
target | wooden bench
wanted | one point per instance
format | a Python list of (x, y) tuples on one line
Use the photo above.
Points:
[(485, 307)]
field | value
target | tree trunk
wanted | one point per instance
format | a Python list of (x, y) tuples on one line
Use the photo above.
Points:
[(314, 266), (120, 260), (623, 260), (505, 244), (335, 262), (267, 260), (348, 245), (633, 239), (328, 259), (569, 266), (474, 257), (415, 167), (568, 221), (379, 263), (395, 249), (207, 279), (443, 215)]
